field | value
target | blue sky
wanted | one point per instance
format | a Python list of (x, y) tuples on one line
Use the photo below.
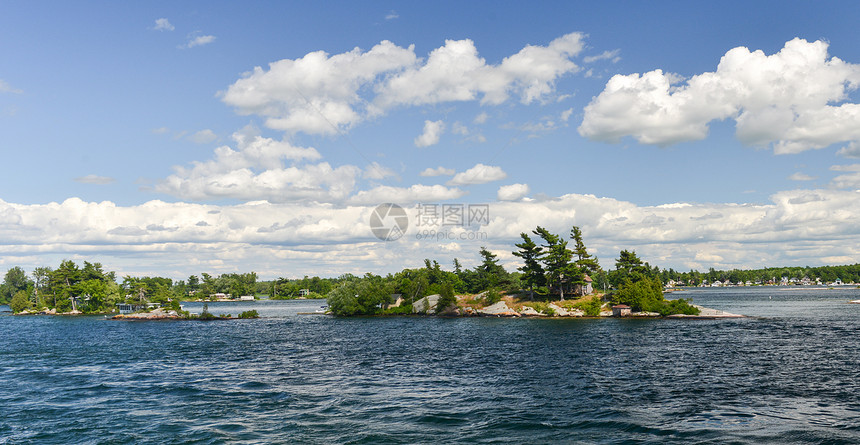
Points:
[(175, 138)]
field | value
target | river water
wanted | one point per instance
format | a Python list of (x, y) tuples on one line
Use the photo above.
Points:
[(789, 375)]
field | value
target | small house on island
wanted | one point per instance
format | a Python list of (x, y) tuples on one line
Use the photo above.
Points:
[(586, 287), (130, 308), (620, 310)]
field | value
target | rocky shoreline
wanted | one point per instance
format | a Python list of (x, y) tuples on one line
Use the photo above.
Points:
[(427, 305), (46, 311), (156, 314)]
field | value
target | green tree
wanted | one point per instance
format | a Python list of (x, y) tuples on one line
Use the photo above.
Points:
[(557, 261), (629, 262), (42, 281), (136, 288), (533, 273), (458, 269), (93, 294), (644, 294), (628, 266), (584, 260), (446, 298), (63, 282), (20, 302), (15, 280), (364, 296), (192, 285), (490, 273), (418, 287)]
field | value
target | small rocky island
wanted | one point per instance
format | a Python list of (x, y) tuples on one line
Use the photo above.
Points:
[(589, 307), (174, 314)]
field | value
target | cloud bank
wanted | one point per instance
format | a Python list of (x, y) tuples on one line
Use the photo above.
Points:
[(286, 239), (792, 101), (324, 94)]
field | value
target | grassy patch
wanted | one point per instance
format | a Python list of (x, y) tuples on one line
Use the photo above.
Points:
[(399, 310)]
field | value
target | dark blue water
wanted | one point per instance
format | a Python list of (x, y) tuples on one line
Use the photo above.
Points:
[(792, 376)]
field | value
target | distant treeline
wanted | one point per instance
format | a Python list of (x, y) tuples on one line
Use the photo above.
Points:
[(826, 274)]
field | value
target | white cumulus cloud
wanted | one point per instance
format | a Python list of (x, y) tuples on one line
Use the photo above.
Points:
[(794, 100), (796, 227), (479, 174), (455, 72), (163, 24), (852, 150), (513, 192), (438, 171), (317, 93), (256, 170), (432, 132), (322, 93), (606, 55), (406, 195), (849, 180), (197, 40), (203, 137)]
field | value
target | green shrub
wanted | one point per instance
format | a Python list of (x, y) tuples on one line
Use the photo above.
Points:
[(643, 295), (492, 297), (590, 307), (20, 301), (249, 314), (359, 297), (399, 310), (206, 316), (543, 308), (446, 298), (174, 305), (681, 306)]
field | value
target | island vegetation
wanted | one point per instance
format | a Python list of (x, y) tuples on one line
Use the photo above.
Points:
[(554, 270), (556, 274)]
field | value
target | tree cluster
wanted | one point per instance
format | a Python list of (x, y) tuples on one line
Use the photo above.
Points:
[(91, 289), (553, 264), (641, 288)]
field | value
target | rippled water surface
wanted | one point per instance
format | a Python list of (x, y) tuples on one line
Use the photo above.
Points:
[(790, 375)]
